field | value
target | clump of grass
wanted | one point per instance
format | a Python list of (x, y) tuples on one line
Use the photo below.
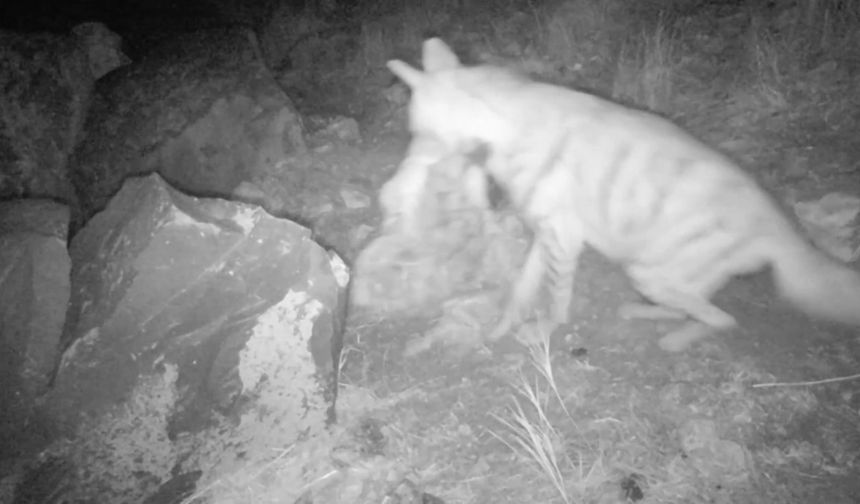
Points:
[(581, 32), (647, 68), (824, 27), (767, 65), (542, 362), (798, 51), (532, 434)]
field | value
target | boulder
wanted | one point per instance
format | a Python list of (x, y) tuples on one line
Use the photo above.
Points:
[(46, 81), (201, 334), (202, 110), (34, 293)]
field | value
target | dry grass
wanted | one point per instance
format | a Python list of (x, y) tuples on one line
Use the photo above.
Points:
[(530, 431), (579, 33), (770, 80), (534, 436), (795, 57), (647, 68), (664, 55)]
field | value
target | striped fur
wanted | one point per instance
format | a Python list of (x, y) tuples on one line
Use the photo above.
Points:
[(680, 217)]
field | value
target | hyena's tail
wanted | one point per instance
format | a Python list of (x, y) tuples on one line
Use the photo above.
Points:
[(816, 283)]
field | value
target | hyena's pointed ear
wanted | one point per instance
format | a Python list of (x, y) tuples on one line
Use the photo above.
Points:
[(407, 73), (436, 55)]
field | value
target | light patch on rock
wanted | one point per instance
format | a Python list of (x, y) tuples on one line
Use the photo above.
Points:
[(179, 218), (283, 330), (339, 269), (277, 369), (127, 448), (82, 345)]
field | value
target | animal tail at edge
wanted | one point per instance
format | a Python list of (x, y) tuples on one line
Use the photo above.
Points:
[(814, 282)]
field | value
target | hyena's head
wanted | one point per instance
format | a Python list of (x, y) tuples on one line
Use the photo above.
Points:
[(449, 103)]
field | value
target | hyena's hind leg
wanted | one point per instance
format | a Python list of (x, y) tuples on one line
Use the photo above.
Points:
[(644, 310), (686, 279), (672, 302)]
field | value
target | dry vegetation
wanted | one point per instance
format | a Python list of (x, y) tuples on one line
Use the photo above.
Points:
[(773, 83)]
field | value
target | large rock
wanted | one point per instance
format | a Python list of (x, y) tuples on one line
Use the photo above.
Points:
[(45, 85), (202, 110), (201, 333), (34, 293)]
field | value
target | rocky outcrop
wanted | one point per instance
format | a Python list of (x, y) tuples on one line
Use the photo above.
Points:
[(200, 334), (202, 110), (46, 81)]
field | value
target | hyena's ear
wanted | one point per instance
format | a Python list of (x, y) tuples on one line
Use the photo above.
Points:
[(408, 74), (436, 55)]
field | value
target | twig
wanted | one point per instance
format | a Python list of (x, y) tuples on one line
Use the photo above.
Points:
[(806, 383)]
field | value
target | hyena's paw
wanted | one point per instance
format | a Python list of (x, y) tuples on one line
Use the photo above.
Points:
[(454, 343), (680, 339), (634, 310), (514, 314), (560, 313), (504, 326), (524, 327), (536, 332), (424, 343), (459, 328)]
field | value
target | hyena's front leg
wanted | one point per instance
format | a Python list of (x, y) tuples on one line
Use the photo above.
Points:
[(523, 293), (555, 250), (563, 243)]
